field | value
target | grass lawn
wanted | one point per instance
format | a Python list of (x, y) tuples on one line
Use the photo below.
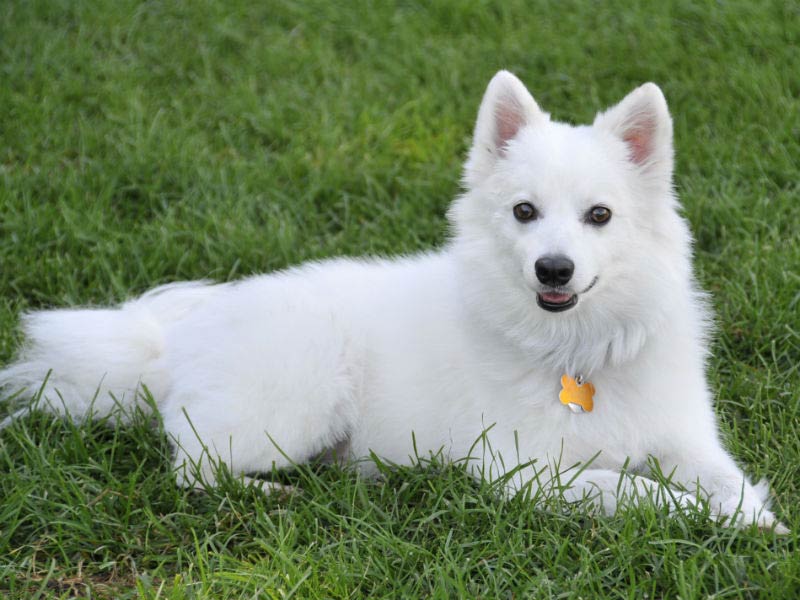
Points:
[(148, 142)]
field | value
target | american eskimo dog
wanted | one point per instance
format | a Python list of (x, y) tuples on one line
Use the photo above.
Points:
[(560, 324)]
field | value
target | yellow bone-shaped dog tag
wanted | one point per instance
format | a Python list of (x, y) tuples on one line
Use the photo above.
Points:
[(579, 397)]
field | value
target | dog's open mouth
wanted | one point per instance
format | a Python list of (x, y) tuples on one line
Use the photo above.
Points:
[(557, 301)]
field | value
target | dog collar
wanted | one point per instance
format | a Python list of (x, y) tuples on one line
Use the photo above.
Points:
[(576, 394)]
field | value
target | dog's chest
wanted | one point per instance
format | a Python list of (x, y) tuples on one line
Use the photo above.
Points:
[(614, 417)]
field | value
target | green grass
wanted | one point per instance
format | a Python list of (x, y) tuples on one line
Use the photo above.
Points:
[(149, 142)]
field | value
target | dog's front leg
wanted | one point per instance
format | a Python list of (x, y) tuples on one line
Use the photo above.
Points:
[(712, 473), (604, 489), (610, 490)]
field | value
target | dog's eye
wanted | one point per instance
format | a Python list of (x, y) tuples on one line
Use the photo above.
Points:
[(598, 215), (524, 212)]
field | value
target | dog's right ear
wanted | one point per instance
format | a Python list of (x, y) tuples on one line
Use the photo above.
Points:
[(641, 120), (506, 108)]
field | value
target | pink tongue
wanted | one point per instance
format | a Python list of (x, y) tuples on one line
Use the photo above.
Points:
[(554, 298)]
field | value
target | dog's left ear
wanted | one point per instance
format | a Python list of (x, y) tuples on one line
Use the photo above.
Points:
[(507, 107), (642, 121)]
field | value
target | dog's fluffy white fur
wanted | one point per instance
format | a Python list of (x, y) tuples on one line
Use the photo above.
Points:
[(436, 351)]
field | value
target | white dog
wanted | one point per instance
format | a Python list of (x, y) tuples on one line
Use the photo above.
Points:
[(561, 326)]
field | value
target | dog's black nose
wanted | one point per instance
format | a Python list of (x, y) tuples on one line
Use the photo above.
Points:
[(554, 270)]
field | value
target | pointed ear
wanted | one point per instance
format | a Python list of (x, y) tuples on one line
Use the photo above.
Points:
[(642, 121), (506, 108)]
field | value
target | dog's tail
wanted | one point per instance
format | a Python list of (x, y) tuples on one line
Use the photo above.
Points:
[(89, 361)]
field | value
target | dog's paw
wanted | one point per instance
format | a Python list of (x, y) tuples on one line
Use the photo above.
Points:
[(768, 523), (269, 488), (778, 528), (753, 515)]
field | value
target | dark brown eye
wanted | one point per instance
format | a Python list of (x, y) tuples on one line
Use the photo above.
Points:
[(599, 215), (524, 212)]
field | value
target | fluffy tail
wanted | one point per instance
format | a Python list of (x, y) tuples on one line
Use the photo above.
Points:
[(93, 360)]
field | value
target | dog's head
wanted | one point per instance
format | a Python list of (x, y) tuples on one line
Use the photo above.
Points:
[(570, 224)]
